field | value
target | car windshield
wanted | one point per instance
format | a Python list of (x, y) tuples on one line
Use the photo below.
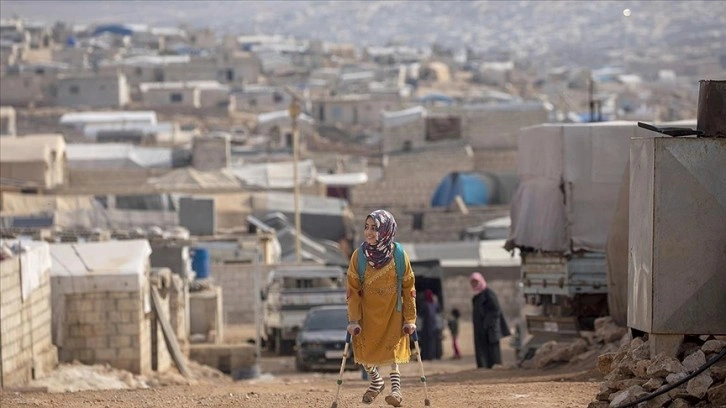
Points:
[(332, 319)]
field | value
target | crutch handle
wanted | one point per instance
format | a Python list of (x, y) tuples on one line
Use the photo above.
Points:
[(347, 337), (414, 336)]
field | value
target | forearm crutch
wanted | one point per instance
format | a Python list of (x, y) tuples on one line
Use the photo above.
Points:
[(420, 363), (342, 368)]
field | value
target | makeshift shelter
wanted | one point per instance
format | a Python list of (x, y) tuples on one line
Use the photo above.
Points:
[(102, 305), (470, 186), (26, 351)]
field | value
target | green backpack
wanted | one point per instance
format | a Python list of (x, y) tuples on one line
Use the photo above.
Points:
[(400, 260)]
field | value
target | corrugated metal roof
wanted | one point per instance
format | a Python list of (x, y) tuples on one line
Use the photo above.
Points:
[(275, 175), (149, 157), (344, 179), (268, 117), (189, 178), (402, 117), (82, 118)]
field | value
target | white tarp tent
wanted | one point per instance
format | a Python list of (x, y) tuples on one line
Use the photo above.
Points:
[(115, 266), (484, 253), (570, 177)]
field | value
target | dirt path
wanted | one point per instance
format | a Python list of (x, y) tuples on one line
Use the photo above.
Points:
[(451, 383), (462, 390)]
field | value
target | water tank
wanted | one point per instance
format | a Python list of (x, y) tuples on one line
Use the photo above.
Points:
[(200, 262)]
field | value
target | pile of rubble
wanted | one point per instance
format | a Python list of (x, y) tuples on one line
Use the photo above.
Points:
[(607, 337), (681, 382)]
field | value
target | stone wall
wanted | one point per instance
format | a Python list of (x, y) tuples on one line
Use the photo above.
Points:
[(26, 349)]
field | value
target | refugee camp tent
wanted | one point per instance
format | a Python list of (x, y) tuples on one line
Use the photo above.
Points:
[(470, 186)]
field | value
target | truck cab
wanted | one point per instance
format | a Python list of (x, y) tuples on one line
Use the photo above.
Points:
[(290, 292)]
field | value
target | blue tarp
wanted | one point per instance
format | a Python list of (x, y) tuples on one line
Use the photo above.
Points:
[(118, 29), (470, 186)]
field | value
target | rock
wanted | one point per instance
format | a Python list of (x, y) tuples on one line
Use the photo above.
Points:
[(678, 392), (694, 361), (679, 403), (713, 346), (620, 372), (603, 396), (602, 323), (653, 384), (640, 352), (664, 365), (586, 356), (675, 377), (687, 348), (718, 370), (636, 342), (717, 396), (546, 353), (640, 368), (628, 395), (620, 398), (627, 337), (626, 383), (590, 337), (657, 402), (575, 348), (598, 404), (698, 386)]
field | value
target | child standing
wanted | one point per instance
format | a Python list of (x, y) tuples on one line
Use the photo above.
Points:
[(454, 329)]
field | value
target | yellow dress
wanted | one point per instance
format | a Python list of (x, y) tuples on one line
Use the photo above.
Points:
[(382, 340)]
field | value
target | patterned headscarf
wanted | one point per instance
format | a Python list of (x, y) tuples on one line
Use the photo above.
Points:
[(379, 254), (481, 283)]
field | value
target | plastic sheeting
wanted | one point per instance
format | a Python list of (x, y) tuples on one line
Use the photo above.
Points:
[(570, 176)]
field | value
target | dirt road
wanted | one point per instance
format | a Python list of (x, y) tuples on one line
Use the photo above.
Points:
[(451, 383)]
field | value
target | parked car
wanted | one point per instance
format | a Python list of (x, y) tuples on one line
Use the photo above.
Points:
[(320, 342)]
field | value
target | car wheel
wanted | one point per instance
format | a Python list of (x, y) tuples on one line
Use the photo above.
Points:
[(300, 366)]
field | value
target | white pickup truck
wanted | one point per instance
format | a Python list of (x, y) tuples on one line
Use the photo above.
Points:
[(288, 295)]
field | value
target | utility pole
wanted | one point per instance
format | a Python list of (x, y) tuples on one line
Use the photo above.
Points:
[(294, 111)]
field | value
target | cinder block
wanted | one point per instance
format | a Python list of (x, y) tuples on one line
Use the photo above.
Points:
[(116, 316), (119, 341), (128, 353), (127, 305), (106, 354), (82, 305), (126, 329), (93, 317), (98, 342)]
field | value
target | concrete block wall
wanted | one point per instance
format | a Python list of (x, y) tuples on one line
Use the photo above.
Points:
[(438, 224), (107, 327), (238, 290), (410, 179), (495, 160), (26, 349), (498, 128), (412, 133), (206, 318)]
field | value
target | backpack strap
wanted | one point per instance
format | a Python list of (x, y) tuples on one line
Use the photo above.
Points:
[(362, 261), (400, 260)]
